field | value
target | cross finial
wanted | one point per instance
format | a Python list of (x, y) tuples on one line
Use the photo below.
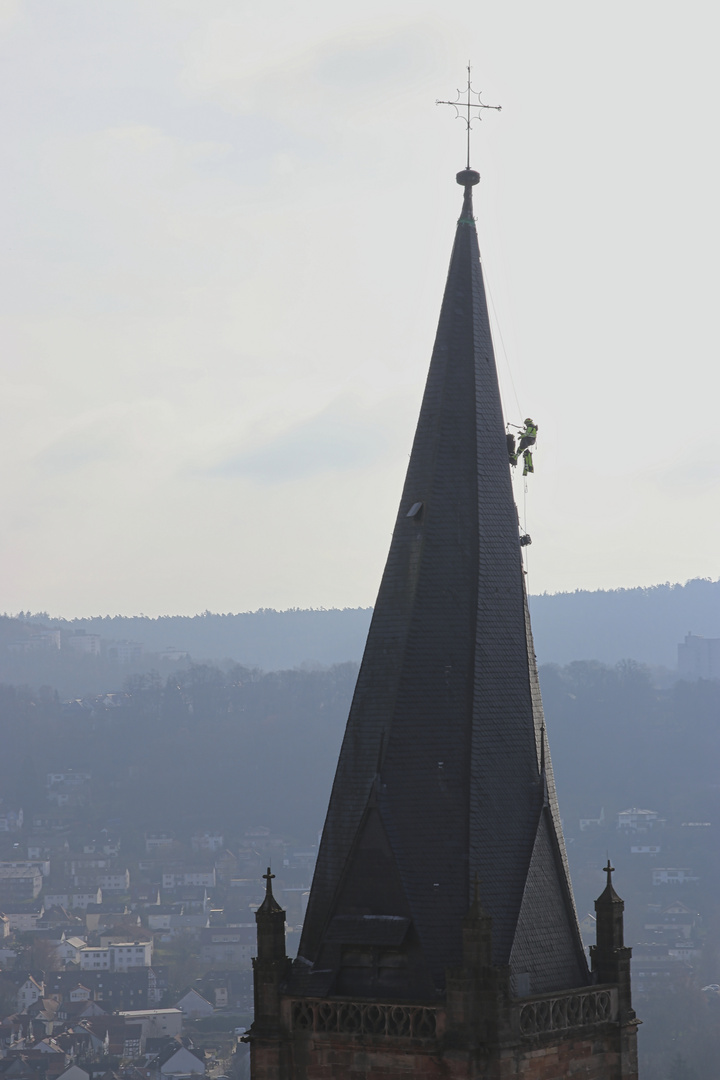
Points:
[(267, 878), (609, 870), (462, 106)]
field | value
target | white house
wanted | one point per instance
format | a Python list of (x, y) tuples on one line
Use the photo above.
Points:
[(80, 900), (673, 875), (57, 899), (121, 956), (176, 879), (635, 820), (68, 949), (43, 865), (160, 918), (70, 777), (24, 919), (115, 881), (593, 822), (30, 992), (207, 841), (48, 1046), (155, 842), (180, 1062), (155, 1023), (74, 1072), (82, 642), (11, 820), (194, 1005)]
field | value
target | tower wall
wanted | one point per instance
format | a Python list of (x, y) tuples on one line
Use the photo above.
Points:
[(544, 1038)]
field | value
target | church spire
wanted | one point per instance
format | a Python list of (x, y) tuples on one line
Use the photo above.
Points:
[(444, 771)]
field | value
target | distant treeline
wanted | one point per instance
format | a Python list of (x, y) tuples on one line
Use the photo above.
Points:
[(214, 748), (611, 625), (204, 748), (646, 624)]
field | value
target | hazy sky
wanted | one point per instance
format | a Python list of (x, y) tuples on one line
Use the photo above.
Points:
[(226, 232)]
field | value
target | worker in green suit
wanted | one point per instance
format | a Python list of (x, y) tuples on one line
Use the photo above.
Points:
[(528, 435)]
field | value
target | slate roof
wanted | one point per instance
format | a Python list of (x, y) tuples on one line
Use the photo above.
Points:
[(444, 770)]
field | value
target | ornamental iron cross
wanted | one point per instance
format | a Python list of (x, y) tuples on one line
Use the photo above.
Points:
[(460, 107)]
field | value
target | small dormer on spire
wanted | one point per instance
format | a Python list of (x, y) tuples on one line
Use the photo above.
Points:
[(476, 912), (477, 932)]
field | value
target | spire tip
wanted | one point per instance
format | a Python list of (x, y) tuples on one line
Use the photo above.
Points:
[(468, 178)]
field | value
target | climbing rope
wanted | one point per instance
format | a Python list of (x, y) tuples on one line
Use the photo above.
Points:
[(525, 547), (502, 346)]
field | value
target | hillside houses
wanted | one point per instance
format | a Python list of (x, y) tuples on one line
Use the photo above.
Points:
[(112, 955)]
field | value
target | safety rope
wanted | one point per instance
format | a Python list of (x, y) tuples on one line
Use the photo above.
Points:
[(526, 548), (502, 345)]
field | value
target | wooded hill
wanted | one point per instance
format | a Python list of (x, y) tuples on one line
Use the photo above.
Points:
[(608, 625)]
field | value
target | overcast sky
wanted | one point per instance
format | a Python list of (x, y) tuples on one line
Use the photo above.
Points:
[(226, 232)]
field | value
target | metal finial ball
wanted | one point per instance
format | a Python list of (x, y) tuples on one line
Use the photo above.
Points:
[(468, 177)]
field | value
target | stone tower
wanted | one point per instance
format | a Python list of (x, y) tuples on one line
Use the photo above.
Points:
[(441, 938)]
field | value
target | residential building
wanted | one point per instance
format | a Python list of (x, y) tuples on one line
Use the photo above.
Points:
[(158, 842), (674, 921), (30, 990), (194, 1006), (232, 945), (635, 820), (201, 876), (11, 820), (74, 1072), (673, 875), (80, 641), (593, 823), (119, 957), (158, 917), (178, 1060), (40, 864), (125, 652), (116, 881), (19, 883), (83, 899), (24, 916), (155, 1022), (207, 841), (71, 778), (699, 657), (105, 914), (114, 990), (69, 948), (57, 898)]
